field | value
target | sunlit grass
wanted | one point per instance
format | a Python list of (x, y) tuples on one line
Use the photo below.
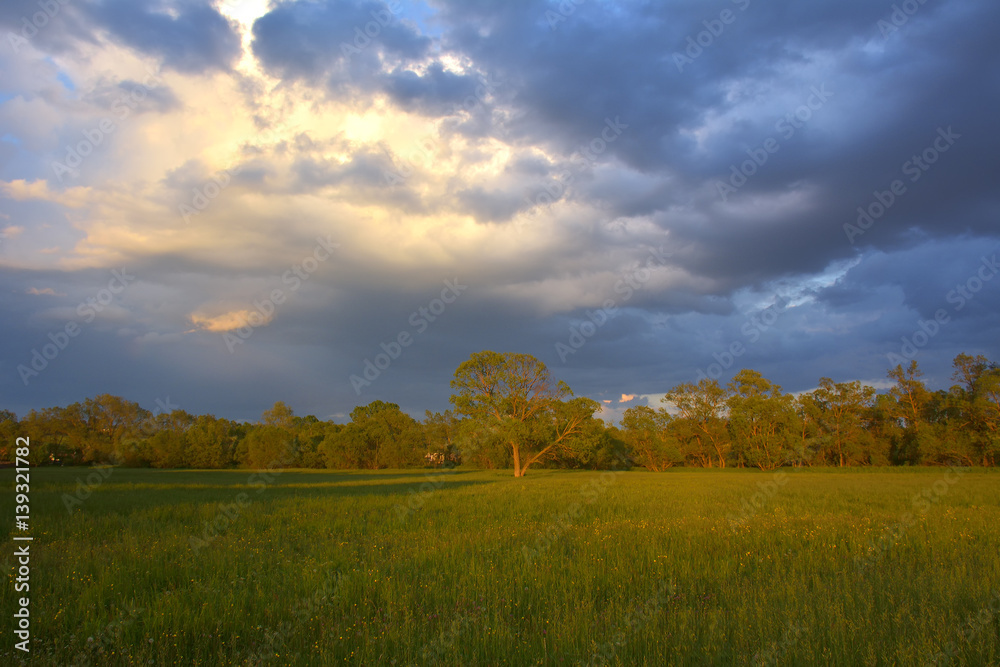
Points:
[(320, 568)]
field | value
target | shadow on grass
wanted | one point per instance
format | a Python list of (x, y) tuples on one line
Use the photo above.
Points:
[(59, 478), (130, 490)]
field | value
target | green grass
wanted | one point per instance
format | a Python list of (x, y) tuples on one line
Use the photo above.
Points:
[(318, 568)]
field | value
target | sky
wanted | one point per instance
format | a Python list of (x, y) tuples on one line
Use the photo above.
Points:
[(220, 205)]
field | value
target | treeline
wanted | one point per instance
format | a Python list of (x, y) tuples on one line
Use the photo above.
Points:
[(749, 422), (111, 430)]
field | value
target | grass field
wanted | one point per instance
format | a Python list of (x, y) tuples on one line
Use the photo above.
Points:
[(865, 567)]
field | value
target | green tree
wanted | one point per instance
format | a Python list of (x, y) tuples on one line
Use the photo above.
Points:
[(609, 452), (511, 397), (9, 432), (279, 415), (309, 434), (211, 442), (881, 422), (271, 443), (482, 446), (647, 433), (976, 402), (701, 423), (381, 435), (269, 446), (916, 441), (762, 421), (839, 409), (334, 450), (111, 421), (571, 436), (50, 435)]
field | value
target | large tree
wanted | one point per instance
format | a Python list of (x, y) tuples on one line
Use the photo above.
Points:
[(701, 421), (651, 441), (513, 398), (762, 421), (211, 442), (381, 435), (911, 399), (977, 406), (839, 410)]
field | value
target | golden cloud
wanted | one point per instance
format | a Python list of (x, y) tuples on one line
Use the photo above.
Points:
[(229, 321)]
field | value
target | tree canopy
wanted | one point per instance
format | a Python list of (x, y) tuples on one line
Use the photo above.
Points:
[(509, 412)]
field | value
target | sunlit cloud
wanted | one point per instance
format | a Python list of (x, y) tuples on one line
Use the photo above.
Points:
[(230, 321)]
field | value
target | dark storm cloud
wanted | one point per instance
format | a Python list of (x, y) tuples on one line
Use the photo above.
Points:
[(363, 47), (189, 36), (310, 40), (899, 123), (886, 97), (54, 30), (194, 38), (437, 91)]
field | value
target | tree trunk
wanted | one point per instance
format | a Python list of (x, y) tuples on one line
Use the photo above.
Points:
[(518, 472)]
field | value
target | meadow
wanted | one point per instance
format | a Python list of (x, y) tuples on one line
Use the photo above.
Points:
[(466, 567)]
